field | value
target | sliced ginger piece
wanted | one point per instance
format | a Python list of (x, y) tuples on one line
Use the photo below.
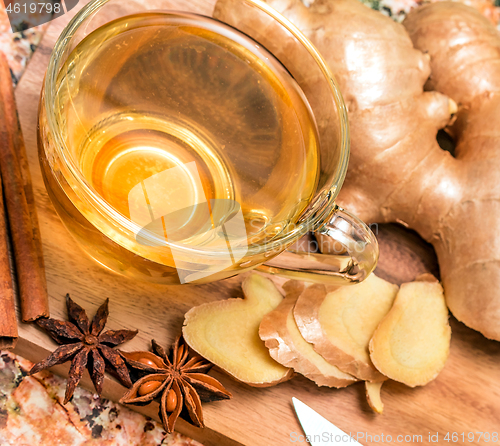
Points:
[(412, 342), (340, 323), (286, 345), (227, 334), (372, 390)]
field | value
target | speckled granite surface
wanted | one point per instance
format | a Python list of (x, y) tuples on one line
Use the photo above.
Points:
[(31, 410), (18, 47)]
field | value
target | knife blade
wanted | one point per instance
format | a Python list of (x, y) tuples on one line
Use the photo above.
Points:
[(319, 431)]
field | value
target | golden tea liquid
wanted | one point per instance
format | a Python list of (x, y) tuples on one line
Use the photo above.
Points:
[(156, 91)]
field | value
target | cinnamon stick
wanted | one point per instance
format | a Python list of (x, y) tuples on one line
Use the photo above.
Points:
[(20, 150), (8, 322), (21, 214)]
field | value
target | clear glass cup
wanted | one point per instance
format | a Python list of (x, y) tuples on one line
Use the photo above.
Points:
[(126, 245)]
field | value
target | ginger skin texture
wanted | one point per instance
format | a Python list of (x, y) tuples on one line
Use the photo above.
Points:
[(397, 171), (286, 345), (340, 322), (464, 49)]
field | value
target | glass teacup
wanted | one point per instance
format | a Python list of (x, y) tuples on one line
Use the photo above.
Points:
[(189, 144)]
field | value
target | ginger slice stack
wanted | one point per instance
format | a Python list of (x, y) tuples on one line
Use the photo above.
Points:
[(340, 323), (372, 331), (286, 345)]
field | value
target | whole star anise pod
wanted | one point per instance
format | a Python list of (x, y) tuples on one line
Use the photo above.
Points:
[(179, 380), (86, 346)]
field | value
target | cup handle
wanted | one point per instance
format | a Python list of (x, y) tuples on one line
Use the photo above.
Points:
[(353, 266)]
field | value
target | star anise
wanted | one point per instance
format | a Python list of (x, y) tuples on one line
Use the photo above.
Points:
[(179, 380), (86, 346)]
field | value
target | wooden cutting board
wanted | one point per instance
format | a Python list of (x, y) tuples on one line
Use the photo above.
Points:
[(464, 398)]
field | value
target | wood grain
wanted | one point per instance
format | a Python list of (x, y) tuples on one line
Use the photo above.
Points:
[(464, 398)]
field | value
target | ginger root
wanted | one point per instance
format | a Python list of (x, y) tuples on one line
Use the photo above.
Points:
[(227, 334), (412, 343), (395, 160), (340, 323), (465, 59), (286, 345), (397, 171)]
